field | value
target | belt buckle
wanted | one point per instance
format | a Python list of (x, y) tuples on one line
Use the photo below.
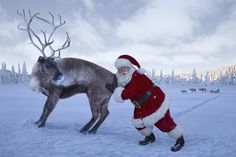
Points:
[(136, 104)]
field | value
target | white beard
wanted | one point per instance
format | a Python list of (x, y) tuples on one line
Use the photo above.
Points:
[(124, 78)]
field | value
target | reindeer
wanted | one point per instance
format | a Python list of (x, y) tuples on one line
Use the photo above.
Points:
[(203, 90), (193, 90), (61, 78), (215, 91)]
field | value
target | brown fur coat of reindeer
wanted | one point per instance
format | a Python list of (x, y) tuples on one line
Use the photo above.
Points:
[(60, 78)]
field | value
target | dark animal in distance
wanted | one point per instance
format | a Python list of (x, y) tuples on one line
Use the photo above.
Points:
[(215, 91), (193, 90), (61, 78), (202, 90), (184, 91)]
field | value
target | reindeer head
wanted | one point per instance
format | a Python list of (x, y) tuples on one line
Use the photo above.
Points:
[(46, 66)]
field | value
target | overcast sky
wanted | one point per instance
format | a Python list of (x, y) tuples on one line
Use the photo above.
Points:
[(160, 34)]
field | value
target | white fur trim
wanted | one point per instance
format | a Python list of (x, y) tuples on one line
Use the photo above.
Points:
[(159, 114), (34, 84), (146, 131), (176, 133), (141, 70), (122, 62), (138, 123), (117, 94)]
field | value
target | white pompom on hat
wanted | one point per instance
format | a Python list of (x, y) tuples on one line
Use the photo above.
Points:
[(128, 61)]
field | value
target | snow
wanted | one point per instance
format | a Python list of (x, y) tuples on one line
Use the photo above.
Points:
[(207, 118)]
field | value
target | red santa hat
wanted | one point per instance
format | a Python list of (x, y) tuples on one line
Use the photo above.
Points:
[(128, 61)]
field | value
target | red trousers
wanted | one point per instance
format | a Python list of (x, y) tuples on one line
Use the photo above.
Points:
[(166, 124)]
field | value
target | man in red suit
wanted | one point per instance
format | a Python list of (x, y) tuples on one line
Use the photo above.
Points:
[(151, 103)]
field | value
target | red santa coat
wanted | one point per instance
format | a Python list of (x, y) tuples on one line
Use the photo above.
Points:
[(153, 109)]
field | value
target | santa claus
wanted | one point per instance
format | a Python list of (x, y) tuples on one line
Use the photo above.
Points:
[(151, 103)]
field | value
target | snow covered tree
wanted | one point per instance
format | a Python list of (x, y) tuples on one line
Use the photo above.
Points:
[(5, 76), (161, 75), (153, 74), (161, 79), (19, 69), (206, 78), (194, 76), (13, 69), (24, 69), (172, 76), (4, 66), (14, 75), (24, 73)]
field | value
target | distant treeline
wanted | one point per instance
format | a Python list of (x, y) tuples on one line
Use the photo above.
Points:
[(226, 75), (7, 76)]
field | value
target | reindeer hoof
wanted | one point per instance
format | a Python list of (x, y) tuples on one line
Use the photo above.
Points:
[(40, 124), (92, 131), (83, 132), (37, 122)]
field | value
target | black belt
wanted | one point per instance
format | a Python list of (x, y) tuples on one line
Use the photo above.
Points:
[(138, 103)]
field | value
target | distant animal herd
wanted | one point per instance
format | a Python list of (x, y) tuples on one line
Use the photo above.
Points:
[(203, 90)]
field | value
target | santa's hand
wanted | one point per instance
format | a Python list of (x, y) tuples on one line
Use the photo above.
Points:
[(117, 94)]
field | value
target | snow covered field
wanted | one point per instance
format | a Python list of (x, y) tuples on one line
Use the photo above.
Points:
[(209, 121)]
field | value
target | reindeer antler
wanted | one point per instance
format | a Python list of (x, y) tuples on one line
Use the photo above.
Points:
[(47, 41)]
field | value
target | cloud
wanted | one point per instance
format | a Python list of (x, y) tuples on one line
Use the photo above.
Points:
[(84, 35), (89, 4), (167, 22), (3, 13), (156, 21), (8, 29), (163, 34), (14, 48), (178, 33)]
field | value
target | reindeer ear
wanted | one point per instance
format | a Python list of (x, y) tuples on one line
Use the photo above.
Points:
[(41, 59)]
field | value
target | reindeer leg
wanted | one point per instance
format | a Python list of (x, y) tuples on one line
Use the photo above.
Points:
[(85, 128), (48, 108), (95, 115), (97, 125), (38, 122), (104, 114)]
